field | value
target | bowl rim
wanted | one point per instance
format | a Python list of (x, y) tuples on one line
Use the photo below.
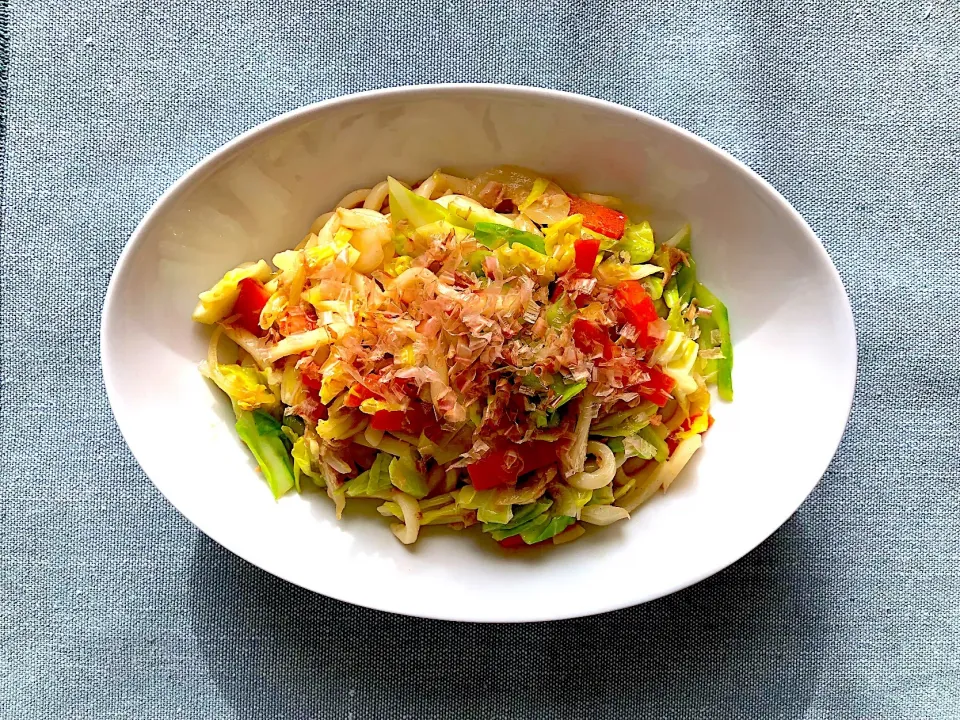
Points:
[(492, 89)]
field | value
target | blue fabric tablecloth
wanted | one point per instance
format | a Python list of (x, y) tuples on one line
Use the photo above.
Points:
[(114, 606)]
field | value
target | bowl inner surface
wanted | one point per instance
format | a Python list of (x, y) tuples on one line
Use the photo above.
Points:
[(793, 333)]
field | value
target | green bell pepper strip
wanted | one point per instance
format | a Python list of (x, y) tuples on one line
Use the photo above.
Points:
[(717, 320), (566, 393), (262, 434), (686, 274), (560, 313), (616, 445), (475, 261), (658, 443), (671, 297), (493, 235)]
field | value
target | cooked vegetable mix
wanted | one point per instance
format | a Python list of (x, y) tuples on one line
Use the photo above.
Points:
[(489, 351)]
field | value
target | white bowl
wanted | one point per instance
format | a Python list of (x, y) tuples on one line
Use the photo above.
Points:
[(792, 327)]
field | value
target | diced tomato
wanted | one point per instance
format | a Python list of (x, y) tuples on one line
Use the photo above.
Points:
[(414, 420), (253, 296), (492, 471), (420, 417), (672, 443), (638, 308), (606, 221), (360, 456), (635, 304), (312, 409), (358, 393), (588, 337), (537, 454), (585, 254), (387, 420), (434, 432), (297, 320), (657, 388), (310, 375)]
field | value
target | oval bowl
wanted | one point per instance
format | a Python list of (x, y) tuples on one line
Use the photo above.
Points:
[(793, 332)]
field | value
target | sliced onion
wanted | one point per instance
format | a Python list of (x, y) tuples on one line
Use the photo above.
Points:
[(407, 532), (669, 470), (610, 201), (550, 207), (553, 206), (603, 514)]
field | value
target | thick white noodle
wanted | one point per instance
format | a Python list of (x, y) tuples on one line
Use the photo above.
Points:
[(353, 199), (606, 468)]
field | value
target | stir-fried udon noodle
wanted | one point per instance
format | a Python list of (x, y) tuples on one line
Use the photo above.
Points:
[(490, 351)]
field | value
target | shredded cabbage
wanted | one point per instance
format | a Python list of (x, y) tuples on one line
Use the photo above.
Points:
[(217, 302), (516, 525), (569, 500), (263, 435), (612, 272), (545, 527), (486, 505), (467, 212), (405, 475), (303, 463), (246, 386), (375, 482), (637, 242), (408, 211)]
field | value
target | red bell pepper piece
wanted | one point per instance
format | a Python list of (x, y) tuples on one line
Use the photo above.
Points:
[(358, 393), (688, 423), (606, 221), (585, 254), (587, 336), (250, 301), (657, 388)]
